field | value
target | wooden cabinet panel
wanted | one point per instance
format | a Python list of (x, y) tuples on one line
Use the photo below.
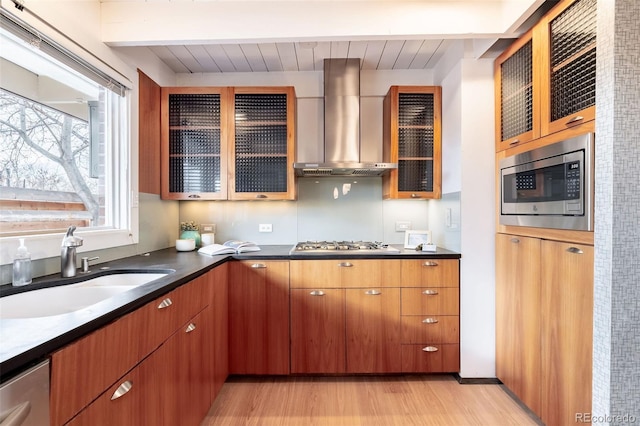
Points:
[(430, 301), (567, 324), (318, 331), (430, 329), (259, 317), (148, 135), (373, 330), (220, 312), (430, 273), (518, 316), (436, 358), (344, 273)]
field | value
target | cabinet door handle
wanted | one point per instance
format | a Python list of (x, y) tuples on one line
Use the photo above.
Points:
[(515, 141), (429, 263), (261, 196), (165, 303), (317, 293), (515, 240), (430, 292), (345, 264), (191, 327), (122, 389), (258, 265), (574, 250), (575, 119), (373, 293), (193, 196), (430, 320), (415, 195), (430, 349)]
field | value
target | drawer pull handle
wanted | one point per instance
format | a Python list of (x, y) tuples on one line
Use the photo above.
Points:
[(515, 240), (122, 389), (430, 263), (430, 349), (430, 320), (258, 265), (317, 293), (190, 328), (575, 119), (430, 292), (574, 250), (345, 264), (165, 303), (515, 141), (373, 293)]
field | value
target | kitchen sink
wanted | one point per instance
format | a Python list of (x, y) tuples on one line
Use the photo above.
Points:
[(64, 299)]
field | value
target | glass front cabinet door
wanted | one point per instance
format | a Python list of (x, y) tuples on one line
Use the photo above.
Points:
[(412, 138)]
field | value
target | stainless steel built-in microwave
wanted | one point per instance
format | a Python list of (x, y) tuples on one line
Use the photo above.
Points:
[(549, 187)]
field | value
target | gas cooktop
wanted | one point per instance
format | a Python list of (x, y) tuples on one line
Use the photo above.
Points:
[(351, 247)]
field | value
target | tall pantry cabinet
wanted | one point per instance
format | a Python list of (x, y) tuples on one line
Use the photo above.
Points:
[(545, 92)]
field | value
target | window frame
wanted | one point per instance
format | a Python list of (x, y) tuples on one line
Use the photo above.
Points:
[(120, 174)]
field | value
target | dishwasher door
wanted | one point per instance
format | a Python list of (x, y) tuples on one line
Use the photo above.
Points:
[(24, 400)]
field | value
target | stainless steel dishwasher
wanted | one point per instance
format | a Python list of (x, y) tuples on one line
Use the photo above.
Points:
[(24, 399)]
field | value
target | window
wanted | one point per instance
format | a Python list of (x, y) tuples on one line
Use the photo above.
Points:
[(64, 146)]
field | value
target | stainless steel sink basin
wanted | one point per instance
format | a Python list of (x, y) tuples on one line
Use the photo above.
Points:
[(63, 299)]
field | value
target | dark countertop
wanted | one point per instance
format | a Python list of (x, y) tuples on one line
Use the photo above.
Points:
[(25, 342)]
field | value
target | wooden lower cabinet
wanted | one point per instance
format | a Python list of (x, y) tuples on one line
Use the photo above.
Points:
[(259, 317), (373, 330), (544, 324), (218, 279), (163, 350), (567, 331), (340, 326), (518, 312), (318, 331)]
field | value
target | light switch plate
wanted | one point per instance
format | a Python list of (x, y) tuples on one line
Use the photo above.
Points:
[(208, 228), (402, 226)]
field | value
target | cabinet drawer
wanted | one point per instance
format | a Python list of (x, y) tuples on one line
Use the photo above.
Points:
[(430, 301), (430, 273), (431, 358), (344, 273), (430, 329)]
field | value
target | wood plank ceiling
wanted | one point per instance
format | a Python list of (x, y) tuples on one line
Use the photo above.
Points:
[(301, 56)]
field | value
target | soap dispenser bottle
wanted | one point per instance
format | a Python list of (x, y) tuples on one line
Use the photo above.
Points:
[(22, 266)]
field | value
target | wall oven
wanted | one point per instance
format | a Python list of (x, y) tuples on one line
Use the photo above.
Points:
[(549, 187)]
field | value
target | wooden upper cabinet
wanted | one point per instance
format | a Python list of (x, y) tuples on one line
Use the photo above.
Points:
[(412, 137), (194, 147), (262, 143), (545, 81), (568, 62), (220, 143), (516, 99)]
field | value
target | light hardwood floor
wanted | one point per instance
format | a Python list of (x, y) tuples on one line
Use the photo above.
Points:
[(363, 400)]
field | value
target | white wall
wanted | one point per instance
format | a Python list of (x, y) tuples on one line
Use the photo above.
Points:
[(468, 159)]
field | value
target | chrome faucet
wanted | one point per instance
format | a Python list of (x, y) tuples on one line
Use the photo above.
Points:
[(68, 253)]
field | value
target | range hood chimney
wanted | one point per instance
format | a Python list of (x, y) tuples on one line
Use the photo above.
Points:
[(342, 125)]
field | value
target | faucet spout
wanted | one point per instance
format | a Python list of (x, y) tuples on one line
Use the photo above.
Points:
[(68, 253)]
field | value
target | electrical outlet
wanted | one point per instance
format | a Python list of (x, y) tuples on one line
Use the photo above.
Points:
[(265, 227), (208, 228), (402, 226)]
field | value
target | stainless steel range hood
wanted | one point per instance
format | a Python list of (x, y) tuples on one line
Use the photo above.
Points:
[(342, 126)]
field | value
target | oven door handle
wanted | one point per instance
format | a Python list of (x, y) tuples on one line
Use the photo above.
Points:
[(15, 416)]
